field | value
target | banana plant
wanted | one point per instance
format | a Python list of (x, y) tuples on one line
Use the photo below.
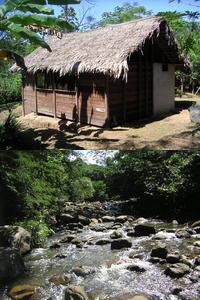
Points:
[(17, 15)]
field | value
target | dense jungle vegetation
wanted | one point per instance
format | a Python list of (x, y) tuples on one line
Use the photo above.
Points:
[(36, 185)]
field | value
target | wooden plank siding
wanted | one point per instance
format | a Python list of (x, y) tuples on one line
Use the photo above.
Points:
[(91, 99), (132, 100), (29, 103)]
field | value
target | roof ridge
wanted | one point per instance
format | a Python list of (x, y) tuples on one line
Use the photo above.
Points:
[(133, 21)]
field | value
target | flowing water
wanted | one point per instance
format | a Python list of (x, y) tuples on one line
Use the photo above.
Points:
[(111, 278)]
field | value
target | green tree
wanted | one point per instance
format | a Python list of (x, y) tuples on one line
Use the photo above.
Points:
[(124, 13)]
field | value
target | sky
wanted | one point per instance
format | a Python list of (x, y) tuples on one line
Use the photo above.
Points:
[(101, 6)]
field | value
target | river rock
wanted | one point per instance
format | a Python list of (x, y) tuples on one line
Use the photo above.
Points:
[(73, 226), (93, 221), (141, 220), (120, 244), (197, 260), (196, 224), (177, 270), (75, 293), (83, 271), (157, 260), (160, 251), (116, 234), (183, 233), (136, 268), (15, 237), (66, 218), (144, 230), (197, 244), (67, 238), (197, 229), (108, 219), (83, 220), (22, 292), (60, 279), (11, 263), (131, 233), (173, 258), (175, 223), (121, 219), (103, 242), (55, 246)]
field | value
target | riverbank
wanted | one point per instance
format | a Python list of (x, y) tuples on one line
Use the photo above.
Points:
[(111, 258)]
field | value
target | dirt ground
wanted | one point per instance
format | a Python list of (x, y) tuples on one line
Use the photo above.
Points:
[(173, 132)]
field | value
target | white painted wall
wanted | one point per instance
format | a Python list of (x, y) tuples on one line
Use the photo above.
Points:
[(163, 89)]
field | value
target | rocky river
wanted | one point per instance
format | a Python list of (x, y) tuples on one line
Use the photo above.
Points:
[(114, 258)]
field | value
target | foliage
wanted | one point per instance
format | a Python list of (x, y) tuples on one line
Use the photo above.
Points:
[(16, 15), (124, 13), (8, 133)]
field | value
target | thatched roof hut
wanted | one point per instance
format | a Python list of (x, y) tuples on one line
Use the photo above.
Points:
[(112, 53), (104, 50)]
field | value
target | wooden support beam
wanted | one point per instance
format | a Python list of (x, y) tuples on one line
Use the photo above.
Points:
[(124, 101), (36, 100), (107, 111), (54, 95), (140, 88), (147, 87)]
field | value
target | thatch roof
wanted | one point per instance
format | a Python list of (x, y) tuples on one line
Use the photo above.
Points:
[(103, 50)]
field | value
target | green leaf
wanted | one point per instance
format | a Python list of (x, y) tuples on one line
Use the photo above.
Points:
[(64, 2), (21, 32), (36, 8), (39, 21)]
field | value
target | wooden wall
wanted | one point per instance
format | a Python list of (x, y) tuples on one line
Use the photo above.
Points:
[(87, 105), (92, 107), (29, 103), (132, 100)]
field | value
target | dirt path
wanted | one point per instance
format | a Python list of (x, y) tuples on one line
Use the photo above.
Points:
[(170, 132)]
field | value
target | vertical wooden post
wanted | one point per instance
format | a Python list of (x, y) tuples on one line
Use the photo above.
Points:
[(54, 95), (107, 112), (147, 87), (140, 88), (23, 86), (124, 101), (36, 100), (77, 102)]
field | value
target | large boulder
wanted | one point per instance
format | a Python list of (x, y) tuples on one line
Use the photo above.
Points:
[(108, 219), (11, 263), (15, 237), (177, 270), (160, 251), (83, 220), (183, 233), (60, 279), (196, 224), (66, 219), (120, 244), (144, 230), (75, 293), (22, 292)]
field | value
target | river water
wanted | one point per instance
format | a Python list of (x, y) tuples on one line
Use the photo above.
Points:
[(110, 279)]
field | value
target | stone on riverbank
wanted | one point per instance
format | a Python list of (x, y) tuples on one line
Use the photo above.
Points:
[(144, 230), (22, 292), (116, 235), (136, 268), (15, 237), (60, 279), (160, 251), (177, 270), (120, 244), (11, 264), (183, 233), (103, 242), (108, 219), (75, 293)]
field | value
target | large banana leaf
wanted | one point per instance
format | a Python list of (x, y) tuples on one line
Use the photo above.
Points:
[(39, 20), (22, 32), (36, 8)]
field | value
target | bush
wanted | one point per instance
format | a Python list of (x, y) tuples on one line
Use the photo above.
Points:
[(8, 133), (38, 229), (10, 87)]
